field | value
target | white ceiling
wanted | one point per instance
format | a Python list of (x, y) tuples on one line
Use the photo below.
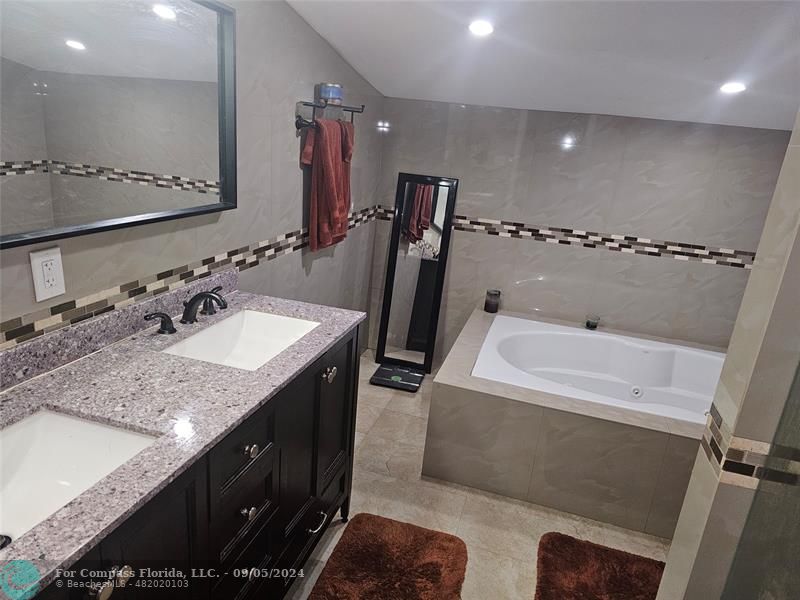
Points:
[(657, 59), (122, 38)]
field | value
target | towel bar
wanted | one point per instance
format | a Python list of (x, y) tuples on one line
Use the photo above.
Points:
[(301, 123)]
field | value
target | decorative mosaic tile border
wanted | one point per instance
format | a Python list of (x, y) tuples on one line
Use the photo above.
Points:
[(58, 167), (609, 241), (29, 326), (742, 462)]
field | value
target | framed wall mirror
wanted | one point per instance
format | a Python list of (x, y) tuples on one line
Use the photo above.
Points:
[(113, 114), (415, 269)]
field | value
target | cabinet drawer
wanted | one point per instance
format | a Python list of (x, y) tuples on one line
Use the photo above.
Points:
[(242, 447), (247, 502), (335, 490), (257, 557), (312, 527)]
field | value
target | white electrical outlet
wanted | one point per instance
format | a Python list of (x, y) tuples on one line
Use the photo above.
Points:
[(48, 273)]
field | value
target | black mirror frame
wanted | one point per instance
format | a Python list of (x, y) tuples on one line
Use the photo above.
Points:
[(391, 265), (226, 82)]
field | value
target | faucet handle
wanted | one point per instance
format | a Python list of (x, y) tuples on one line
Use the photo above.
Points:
[(208, 303), (166, 322)]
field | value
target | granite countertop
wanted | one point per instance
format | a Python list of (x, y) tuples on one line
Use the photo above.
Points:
[(187, 404)]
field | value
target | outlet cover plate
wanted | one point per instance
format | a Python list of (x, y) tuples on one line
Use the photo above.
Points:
[(48, 273)]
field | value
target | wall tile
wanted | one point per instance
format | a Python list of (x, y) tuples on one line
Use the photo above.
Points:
[(681, 182), (583, 463), (481, 442), (676, 470)]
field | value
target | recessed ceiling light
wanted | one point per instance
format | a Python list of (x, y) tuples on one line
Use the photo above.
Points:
[(568, 142), (75, 45), (733, 87), (481, 28), (165, 12)]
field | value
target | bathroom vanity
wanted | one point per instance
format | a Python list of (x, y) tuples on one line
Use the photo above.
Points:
[(250, 469), (257, 502)]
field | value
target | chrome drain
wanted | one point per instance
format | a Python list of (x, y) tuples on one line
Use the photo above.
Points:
[(637, 392)]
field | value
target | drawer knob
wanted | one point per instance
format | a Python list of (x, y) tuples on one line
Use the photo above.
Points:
[(251, 450), (319, 527), (123, 575), (330, 374), (103, 592), (249, 513)]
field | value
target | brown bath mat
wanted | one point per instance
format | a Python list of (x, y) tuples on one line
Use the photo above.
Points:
[(382, 559), (571, 569)]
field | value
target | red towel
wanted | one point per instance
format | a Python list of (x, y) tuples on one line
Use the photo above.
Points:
[(328, 149), (420, 218), (348, 144)]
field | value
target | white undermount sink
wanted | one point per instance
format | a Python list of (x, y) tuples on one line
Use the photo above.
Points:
[(48, 459), (245, 340)]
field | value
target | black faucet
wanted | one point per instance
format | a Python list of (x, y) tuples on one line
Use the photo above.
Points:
[(208, 303), (190, 307), (166, 322)]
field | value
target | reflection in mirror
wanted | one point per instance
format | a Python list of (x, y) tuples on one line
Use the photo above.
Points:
[(415, 270), (109, 110)]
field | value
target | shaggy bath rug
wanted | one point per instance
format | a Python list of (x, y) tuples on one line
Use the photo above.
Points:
[(382, 559), (571, 569)]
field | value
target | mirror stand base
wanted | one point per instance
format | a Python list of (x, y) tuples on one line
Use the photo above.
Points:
[(398, 377)]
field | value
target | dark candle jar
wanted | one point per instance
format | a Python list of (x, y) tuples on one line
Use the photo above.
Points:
[(492, 303)]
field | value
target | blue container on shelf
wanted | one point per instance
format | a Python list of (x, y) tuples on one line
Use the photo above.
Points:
[(330, 93)]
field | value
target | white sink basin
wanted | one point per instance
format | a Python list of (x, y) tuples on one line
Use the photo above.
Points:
[(245, 340), (47, 459)]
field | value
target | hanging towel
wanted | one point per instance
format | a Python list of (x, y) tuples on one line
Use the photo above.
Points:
[(329, 206), (348, 144), (420, 218)]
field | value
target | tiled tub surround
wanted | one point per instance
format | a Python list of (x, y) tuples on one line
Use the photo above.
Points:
[(619, 466), (60, 167), (188, 404), (696, 184), (31, 325)]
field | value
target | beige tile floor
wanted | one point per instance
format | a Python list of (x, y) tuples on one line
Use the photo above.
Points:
[(501, 534)]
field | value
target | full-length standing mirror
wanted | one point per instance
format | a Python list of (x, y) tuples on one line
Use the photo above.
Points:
[(113, 114), (417, 258)]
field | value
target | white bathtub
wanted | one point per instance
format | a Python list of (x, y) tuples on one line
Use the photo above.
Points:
[(646, 376)]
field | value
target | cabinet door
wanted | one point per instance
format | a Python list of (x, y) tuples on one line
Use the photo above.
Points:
[(76, 588), (295, 434), (335, 412), (170, 531)]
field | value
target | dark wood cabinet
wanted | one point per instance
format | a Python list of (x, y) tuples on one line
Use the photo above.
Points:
[(334, 418), (296, 411), (168, 532), (253, 508)]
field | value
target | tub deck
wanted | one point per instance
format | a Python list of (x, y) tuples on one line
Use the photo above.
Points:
[(605, 462)]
